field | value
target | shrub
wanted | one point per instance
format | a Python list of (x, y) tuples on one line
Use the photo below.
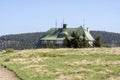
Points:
[(7, 59), (9, 50), (98, 42)]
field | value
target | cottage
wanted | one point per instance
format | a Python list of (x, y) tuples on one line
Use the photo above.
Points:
[(56, 36)]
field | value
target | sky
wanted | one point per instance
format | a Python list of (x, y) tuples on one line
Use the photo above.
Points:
[(26, 16)]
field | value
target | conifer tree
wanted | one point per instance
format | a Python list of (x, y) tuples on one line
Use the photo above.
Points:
[(98, 42), (76, 41), (67, 42)]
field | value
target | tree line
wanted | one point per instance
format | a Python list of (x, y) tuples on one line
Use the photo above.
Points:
[(109, 39), (20, 41), (28, 40)]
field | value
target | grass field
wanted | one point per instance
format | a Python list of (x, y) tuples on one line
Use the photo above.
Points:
[(64, 64)]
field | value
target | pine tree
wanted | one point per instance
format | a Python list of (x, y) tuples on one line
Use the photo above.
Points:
[(76, 41), (67, 42), (98, 42)]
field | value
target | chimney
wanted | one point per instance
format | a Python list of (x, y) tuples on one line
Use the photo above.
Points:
[(64, 26)]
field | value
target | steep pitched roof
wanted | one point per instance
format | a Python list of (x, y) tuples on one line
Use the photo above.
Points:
[(60, 33)]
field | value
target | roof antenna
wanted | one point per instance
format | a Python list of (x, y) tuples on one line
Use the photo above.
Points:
[(56, 23), (83, 22), (63, 21)]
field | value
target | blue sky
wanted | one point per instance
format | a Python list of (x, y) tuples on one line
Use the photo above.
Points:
[(23, 16)]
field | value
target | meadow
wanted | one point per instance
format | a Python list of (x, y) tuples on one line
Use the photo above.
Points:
[(64, 64)]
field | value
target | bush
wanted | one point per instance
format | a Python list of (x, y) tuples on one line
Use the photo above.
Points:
[(9, 50), (76, 41), (7, 60), (98, 42)]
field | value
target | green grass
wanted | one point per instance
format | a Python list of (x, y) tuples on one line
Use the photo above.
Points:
[(64, 64)]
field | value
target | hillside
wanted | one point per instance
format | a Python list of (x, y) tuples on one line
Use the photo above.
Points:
[(20, 41), (108, 38), (64, 64), (28, 40)]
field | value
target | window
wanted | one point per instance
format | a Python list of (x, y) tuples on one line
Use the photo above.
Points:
[(59, 42), (51, 42)]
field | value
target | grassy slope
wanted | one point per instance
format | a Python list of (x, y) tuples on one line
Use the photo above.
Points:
[(64, 64)]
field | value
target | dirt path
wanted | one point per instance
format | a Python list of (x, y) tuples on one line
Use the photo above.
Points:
[(5, 74)]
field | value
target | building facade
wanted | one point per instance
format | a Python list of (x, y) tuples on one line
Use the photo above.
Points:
[(56, 36)]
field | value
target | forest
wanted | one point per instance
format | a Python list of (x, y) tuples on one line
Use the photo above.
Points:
[(28, 40), (109, 39)]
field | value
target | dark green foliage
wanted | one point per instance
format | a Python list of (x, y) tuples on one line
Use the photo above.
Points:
[(20, 41), (38, 44), (9, 50), (108, 38), (75, 42), (98, 42), (66, 42), (50, 46), (74, 34), (28, 40)]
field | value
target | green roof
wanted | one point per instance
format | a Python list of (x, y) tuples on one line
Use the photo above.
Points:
[(60, 33)]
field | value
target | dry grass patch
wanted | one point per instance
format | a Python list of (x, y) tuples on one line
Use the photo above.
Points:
[(35, 67), (113, 78), (105, 72), (107, 51), (70, 77), (30, 66), (96, 62), (43, 50), (28, 60), (65, 64)]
